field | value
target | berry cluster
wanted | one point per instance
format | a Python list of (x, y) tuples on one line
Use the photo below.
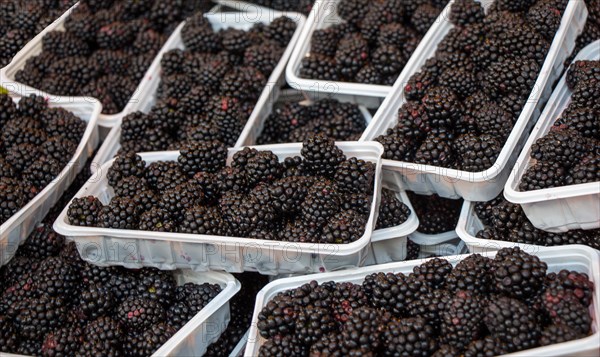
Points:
[(104, 51), (506, 221), (301, 6), (321, 197), (22, 20), (208, 91), (591, 30), (569, 154), (436, 214), (373, 43), (481, 307), (52, 303), (36, 143), (464, 101), (294, 122)]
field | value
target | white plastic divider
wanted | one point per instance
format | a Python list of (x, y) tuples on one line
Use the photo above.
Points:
[(443, 244), (323, 15), (557, 209), (576, 257), (149, 89), (255, 127), (15, 230), (475, 186), (136, 249), (34, 48)]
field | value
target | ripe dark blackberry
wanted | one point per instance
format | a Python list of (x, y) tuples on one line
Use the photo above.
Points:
[(466, 12), (60, 122), (582, 71), (243, 83), (409, 336), (392, 292), (397, 146), (512, 322), (97, 348), (558, 333), (176, 200), (264, 57), (516, 273), (544, 174), (435, 151), (319, 67), (43, 242), (196, 296), (32, 106), (578, 283), (355, 176), (164, 175), (312, 323), (56, 277), (368, 75), (42, 172), (286, 345), (264, 166), (351, 55), (516, 76), (392, 212), (120, 213), (96, 301), (544, 17), (13, 135), (462, 319), (324, 41), (471, 273), (477, 153), (130, 186), (563, 307), (235, 41), (362, 330), (523, 42), (442, 106), (104, 330), (460, 81), (488, 346), (138, 314), (429, 306), (563, 146), (424, 16), (178, 315), (289, 193), (493, 120), (277, 317), (150, 340), (584, 120), (321, 203), (9, 109), (321, 156), (281, 30), (344, 227), (202, 220), (584, 171), (298, 231), (62, 342), (84, 211), (157, 220), (506, 216), (585, 94), (129, 164), (38, 316), (202, 156), (157, 285), (433, 272), (329, 345), (59, 149), (8, 335)]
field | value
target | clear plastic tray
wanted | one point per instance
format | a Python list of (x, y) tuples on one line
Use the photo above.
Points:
[(557, 209), (579, 258), (324, 15), (475, 186), (33, 48), (135, 249), (207, 325), (14, 231), (148, 90)]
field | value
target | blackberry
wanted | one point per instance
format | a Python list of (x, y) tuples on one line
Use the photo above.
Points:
[(176, 200), (429, 306), (38, 316), (104, 330), (134, 125), (324, 41), (281, 30), (157, 220), (477, 153), (351, 55), (56, 277), (563, 146), (368, 75), (584, 120), (419, 82), (322, 202), (433, 272), (410, 336), (513, 323), (62, 342), (396, 146), (130, 186), (9, 109), (435, 151), (248, 213), (460, 81), (581, 71), (578, 283), (392, 212), (96, 301), (277, 317), (138, 314), (584, 171), (542, 175), (196, 296), (442, 107), (329, 345), (97, 348), (288, 193), (282, 346), (319, 67), (563, 307), (64, 44), (59, 149), (93, 274), (462, 319), (243, 83), (29, 347), (446, 350), (120, 213), (352, 10), (488, 346), (559, 333), (264, 166), (202, 220), (265, 57), (506, 216), (313, 323), (42, 172), (524, 43), (472, 274), (59, 122), (43, 242), (150, 340), (424, 16), (157, 285), (13, 135), (232, 179), (571, 237), (198, 36), (344, 227), (585, 94), (293, 166), (355, 176), (298, 231), (8, 335), (178, 315), (466, 12), (129, 164), (512, 76), (321, 156), (516, 273), (392, 292), (32, 106), (202, 156), (545, 18), (235, 41), (164, 175), (494, 121)]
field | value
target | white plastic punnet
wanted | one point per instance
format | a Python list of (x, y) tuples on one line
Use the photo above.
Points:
[(475, 186), (557, 209)]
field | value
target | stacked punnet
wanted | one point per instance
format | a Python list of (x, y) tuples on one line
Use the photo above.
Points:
[(481, 307)]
